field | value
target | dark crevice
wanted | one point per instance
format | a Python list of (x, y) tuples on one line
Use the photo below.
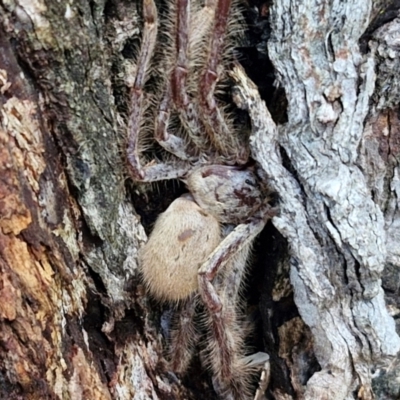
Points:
[(151, 200), (130, 49), (388, 11), (128, 327), (99, 344), (287, 164), (253, 55), (270, 253), (357, 270), (98, 282)]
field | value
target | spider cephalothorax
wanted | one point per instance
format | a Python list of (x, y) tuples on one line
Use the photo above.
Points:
[(189, 250)]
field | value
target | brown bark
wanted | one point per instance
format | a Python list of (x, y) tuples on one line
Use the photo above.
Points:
[(75, 322), (69, 234)]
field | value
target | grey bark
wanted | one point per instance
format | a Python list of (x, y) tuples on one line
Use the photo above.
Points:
[(75, 322), (339, 239)]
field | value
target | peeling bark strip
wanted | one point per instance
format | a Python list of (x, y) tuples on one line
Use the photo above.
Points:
[(335, 230)]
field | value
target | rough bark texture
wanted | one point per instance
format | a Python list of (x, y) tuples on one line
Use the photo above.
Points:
[(337, 230), (74, 320)]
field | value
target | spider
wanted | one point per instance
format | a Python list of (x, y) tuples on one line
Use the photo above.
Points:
[(198, 248)]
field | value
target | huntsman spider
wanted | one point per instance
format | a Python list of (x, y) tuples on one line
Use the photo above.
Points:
[(198, 249)]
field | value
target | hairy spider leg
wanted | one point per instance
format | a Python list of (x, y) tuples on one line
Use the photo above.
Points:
[(179, 86), (202, 21), (172, 143), (151, 172), (211, 113), (225, 352), (186, 46), (175, 93), (264, 381), (184, 336)]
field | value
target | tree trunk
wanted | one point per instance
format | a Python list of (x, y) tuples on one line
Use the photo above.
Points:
[(75, 322)]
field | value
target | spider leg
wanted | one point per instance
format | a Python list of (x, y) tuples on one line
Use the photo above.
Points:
[(184, 337), (202, 22), (187, 47), (264, 381), (177, 91), (151, 172), (211, 113), (210, 75), (172, 143), (178, 81), (230, 369)]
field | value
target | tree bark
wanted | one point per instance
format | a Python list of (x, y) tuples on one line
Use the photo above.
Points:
[(75, 322)]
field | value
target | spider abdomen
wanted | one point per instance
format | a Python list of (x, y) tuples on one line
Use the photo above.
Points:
[(182, 238)]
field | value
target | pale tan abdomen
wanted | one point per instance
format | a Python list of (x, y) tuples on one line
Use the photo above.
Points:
[(182, 238)]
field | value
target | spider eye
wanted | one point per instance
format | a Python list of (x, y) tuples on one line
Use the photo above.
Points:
[(250, 182)]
